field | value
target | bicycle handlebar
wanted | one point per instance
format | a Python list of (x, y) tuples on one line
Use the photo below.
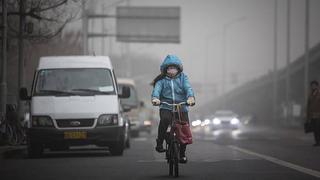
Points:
[(179, 104)]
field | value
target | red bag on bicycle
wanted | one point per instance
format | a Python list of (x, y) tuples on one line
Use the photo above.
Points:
[(183, 132)]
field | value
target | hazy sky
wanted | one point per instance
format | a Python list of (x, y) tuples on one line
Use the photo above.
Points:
[(249, 41)]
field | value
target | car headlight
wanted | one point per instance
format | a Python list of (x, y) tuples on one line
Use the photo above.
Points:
[(235, 121), (147, 123), (41, 121), (108, 119), (216, 121), (205, 122), (196, 123)]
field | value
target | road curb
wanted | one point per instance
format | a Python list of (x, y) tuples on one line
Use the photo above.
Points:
[(4, 149)]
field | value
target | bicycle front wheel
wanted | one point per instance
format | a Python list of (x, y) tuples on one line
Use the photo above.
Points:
[(170, 157), (176, 159), (171, 162)]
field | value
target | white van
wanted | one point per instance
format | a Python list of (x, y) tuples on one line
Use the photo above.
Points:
[(74, 101), (137, 113)]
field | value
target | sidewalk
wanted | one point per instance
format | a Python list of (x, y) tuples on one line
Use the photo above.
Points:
[(6, 148)]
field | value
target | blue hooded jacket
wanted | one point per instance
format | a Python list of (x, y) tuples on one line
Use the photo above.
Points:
[(172, 90)]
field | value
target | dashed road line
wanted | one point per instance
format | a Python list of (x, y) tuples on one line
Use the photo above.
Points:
[(140, 139), (151, 161)]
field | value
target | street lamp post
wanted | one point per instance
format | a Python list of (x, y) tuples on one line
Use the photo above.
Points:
[(275, 64), (21, 69), (288, 70), (224, 58), (206, 67), (3, 85), (306, 62)]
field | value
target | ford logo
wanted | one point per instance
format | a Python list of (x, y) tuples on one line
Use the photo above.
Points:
[(75, 123)]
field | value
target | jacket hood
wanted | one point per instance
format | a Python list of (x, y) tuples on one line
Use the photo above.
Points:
[(171, 60)]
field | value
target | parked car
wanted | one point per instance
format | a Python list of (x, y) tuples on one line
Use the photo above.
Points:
[(223, 119), (75, 101)]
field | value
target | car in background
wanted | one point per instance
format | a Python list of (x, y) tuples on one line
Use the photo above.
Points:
[(138, 115), (225, 119)]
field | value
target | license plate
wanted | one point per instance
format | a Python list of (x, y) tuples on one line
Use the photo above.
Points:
[(75, 135)]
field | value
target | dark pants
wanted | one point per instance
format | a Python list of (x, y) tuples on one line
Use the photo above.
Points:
[(316, 129), (165, 120)]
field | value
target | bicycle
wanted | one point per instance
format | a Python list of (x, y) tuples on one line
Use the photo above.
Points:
[(172, 142), (11, 130)]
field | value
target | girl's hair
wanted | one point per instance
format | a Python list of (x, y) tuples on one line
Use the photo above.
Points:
[(163, 74), (158, 78), (314, 82)]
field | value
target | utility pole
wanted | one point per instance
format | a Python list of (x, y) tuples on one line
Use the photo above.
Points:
[(306, 61), (84, 28), (103, 27), (3, 85), (224, 59), (288, 71), (21, 81), (206, 71), (127, 52), (275, 65)]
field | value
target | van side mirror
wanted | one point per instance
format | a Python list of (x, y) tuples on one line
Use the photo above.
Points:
[(125, 92), (23, 94), (126, 108)]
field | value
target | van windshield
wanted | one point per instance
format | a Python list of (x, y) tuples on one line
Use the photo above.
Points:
[(80, 81)]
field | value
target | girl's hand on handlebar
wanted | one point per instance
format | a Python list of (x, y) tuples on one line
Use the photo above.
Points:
[(155, 102), (191, 101)]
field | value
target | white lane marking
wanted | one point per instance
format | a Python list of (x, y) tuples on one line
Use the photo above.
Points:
[(150, 161), (219, 160), (279, 162), (206, 160), (307, 138), (140, 139)]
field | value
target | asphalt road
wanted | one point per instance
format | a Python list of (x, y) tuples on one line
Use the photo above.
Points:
[(249, 154)]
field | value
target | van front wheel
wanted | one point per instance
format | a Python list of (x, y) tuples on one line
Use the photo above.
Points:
[(117, 148)]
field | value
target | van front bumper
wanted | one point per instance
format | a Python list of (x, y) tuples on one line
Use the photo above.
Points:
[(53, 138)]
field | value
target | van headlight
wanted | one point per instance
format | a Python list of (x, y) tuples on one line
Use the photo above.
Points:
[(41, 121), (108, 119)]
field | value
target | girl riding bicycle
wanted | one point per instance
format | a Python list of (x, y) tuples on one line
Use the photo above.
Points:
[(171, 86)]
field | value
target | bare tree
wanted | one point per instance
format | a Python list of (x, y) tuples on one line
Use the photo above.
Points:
[(36, 20), (44, 19)]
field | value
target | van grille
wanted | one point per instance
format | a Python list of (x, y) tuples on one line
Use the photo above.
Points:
[(66, 123)]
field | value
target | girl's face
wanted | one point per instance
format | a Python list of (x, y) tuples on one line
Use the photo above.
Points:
[(172, 71)]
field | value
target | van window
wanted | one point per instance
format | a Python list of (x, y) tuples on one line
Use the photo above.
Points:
[(74, 81)]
